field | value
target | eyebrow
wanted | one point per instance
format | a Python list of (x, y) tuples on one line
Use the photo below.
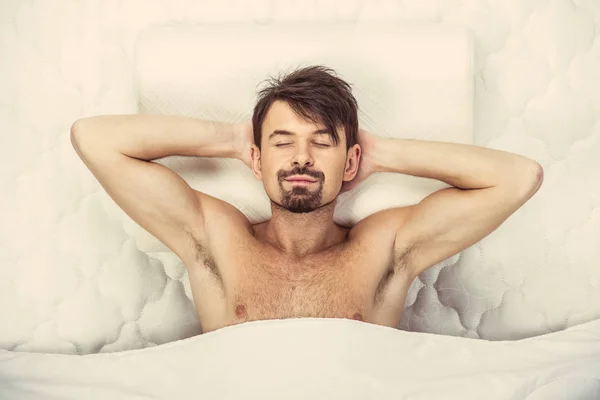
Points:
[(288, 133)]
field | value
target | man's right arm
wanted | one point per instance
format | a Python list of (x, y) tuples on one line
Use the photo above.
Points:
[(119, 149)]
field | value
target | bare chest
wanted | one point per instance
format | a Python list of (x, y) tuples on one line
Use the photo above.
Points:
[(354, 280), (329, 286)]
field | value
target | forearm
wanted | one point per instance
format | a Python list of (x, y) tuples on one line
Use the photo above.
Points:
[(149, 137), (460, 165)]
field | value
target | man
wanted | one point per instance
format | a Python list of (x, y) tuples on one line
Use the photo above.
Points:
[(305, 145)]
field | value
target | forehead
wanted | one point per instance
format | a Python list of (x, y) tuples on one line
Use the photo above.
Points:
[(280, 114)]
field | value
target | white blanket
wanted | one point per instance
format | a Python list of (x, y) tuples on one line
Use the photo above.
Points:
[(312, 358)]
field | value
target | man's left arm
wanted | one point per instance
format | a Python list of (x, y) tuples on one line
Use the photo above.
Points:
[(488, 186)]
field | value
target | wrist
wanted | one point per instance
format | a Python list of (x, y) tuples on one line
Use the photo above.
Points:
[(377, 153), (243, 138), (235, 139), (229, 130), (216, 139)]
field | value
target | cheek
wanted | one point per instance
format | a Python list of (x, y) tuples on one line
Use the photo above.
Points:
[(337, 167), (334, 173)]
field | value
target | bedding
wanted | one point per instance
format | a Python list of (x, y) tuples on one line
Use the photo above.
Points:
[(319, 358), (78, 277)]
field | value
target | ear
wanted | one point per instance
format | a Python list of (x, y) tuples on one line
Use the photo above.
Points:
[(352, 162), (256, 165)]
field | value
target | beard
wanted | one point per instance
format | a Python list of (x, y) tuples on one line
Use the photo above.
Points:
[(301, 199)]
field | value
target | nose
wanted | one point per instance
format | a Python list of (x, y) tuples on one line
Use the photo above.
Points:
[(302, 157)]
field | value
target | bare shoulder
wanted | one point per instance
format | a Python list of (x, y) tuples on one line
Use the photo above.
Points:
[(216, 210), (383, 224), (382, 227)]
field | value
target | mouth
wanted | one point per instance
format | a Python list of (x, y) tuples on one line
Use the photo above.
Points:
[(301, 180)]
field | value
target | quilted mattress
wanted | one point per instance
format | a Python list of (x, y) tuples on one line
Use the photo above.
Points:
[(77, 276)]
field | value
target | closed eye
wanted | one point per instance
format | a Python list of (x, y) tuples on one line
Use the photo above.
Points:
[(318, 144)]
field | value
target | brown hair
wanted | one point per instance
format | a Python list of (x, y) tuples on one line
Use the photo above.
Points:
[(315, 93)]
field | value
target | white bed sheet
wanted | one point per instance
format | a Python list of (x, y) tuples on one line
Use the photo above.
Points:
[(316, 358)]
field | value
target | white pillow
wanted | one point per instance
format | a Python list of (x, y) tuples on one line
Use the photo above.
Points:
[(410, 81)]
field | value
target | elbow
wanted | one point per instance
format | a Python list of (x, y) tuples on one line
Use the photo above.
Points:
[(534, 180), (538, 174), (75, 128), (530, 171), (79, 130), (525, 179)]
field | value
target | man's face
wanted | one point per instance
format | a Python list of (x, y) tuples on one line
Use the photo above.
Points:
[(301, 152)]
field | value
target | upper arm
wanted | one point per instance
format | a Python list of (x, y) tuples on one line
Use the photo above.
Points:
[(452, 219), (154, 196)]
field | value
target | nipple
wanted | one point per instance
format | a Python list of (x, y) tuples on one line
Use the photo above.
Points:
[(240, 311), (357, 317)]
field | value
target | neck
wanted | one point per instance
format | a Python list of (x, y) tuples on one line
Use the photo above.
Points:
[(302, 235)]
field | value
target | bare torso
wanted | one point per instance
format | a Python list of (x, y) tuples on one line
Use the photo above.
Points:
[(243, 278)]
